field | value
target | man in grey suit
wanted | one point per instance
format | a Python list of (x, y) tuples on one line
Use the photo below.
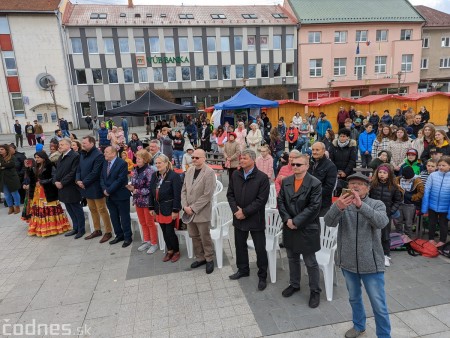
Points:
[(196, 198)]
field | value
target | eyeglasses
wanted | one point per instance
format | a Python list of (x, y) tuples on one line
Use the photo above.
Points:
[(196, 158), (298, 165)]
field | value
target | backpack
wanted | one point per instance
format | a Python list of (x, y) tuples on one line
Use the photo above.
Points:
[(422, 247), (397, 242), (445, 250)]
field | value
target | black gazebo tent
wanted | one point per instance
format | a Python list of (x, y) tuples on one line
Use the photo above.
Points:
[(152, 104)]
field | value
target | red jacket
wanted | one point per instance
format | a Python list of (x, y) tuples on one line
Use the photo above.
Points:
[(292, 131), (342, 116)]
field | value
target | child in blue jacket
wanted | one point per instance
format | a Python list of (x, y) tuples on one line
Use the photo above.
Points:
[(366, 139)]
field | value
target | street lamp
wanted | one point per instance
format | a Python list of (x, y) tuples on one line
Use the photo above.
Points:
[(51, 89), (90, 97)]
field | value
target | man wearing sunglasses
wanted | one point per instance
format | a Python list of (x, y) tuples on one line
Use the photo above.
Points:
[(299, 203)]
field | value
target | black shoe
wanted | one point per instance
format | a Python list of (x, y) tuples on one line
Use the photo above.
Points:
[(209, 267), (262, 284), (79, 235), (116, 240), (238, 275), (126, 243), (314, 299), (196, 264), (289, 291), (71, 233)]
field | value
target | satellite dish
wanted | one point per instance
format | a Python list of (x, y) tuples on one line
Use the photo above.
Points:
[(44, 81)]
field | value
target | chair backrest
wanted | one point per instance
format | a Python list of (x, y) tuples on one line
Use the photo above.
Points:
[(272, 201), (274, 222), (222, 216), (328, 236)]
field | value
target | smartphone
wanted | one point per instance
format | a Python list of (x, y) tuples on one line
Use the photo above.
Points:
[(346, 192)]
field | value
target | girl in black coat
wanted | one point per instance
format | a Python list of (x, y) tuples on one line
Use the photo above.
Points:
[(384, 188)]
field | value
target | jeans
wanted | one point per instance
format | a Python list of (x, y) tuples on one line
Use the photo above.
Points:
[(178, 158), (441, 219), (11, 197), (311, 265), (374, 285), (276, 157), (65, 133), (305, 145), (75, 211)]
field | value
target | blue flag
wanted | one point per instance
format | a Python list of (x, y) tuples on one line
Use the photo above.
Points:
[(357, 49)]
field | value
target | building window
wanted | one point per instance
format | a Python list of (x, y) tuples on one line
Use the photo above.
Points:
[(81, 76), (186, 16), (211, 43), (225, 43), (355, 93), (407, 62), (186, 73), (17, 104), (424, 64), (53, 116), (4, 26), (85, 109), (116, 104), (361, 36), (264, 70), (380, 64), (249, 16), (289, 69), (199, 76), (218, 16), (101, 107), (172, 74), (128, 75), (264, 41), (276, 70), (290, 41), (97, 75), (154, 45), (382, 35), (169, 46), (112, 75), (239, 71), (109, 45), (198, 45), (406, 34), (213, 72), (314, 37), (123, 45), (277, 42), (40, 118), (142, 74), (77, 48), (279, 15), (444, 63), (251, 42), (340, 36), (445, 42), (360, 67), (252, 71), (340, 66), (157, 75), (226, 73), (238, 42), (426, 42), (92, 45), (140, 45), (183, 44), (10, 63), (315, 67)]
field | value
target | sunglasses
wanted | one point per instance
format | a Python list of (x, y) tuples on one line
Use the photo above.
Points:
[(298, 165), (196, 158)]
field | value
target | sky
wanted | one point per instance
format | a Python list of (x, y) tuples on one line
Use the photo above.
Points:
[(441, 5)]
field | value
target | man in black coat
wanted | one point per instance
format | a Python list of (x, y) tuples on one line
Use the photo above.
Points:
[(326, 172), (19, 159), (248, 192), (68, 191), (19, 133), (299, 204)]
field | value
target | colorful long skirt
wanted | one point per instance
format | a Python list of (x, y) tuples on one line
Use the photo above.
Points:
[(47, 218), (26, 210)]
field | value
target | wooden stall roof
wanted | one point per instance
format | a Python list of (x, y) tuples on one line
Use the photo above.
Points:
[(418, 96), (380, 98), (330, 100), (281, 102)]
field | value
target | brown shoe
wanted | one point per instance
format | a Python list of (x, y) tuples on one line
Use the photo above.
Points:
[(106, 237), (96, 233), (168, 257), (11, 210), (16, 209), (175, 257)]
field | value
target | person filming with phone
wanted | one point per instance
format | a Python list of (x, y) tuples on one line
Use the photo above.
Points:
[(361, 256)]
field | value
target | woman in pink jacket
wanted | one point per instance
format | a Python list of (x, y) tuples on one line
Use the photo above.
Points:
[(264, 162)]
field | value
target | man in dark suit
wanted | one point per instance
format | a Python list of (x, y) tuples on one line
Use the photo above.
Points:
[(113, 181), (68, 193)]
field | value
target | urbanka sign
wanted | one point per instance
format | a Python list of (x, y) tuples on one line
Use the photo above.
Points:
[(175, 59)]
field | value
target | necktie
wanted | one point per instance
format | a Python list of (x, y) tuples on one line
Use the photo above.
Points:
[(108, 169)]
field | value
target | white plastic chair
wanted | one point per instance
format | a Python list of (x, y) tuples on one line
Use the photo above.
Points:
[(274, 226), (219, 188), (179, 233), (272, 201), (87, 212), (222, 217)]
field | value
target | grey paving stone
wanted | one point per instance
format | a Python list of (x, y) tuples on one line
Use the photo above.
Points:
[(422, 321)]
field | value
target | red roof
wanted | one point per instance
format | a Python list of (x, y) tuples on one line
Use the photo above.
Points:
[(433, 17), (29, 6), (379, 98), (329, 100), (209, 109), (291, 101), (418, 96)]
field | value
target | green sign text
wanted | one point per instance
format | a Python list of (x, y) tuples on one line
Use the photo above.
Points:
[(159, 59)]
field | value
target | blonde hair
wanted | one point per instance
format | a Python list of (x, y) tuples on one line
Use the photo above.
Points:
[(145, 155), (165, 160)]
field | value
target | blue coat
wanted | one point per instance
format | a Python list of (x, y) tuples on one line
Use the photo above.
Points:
[(437, 193), (322, 127), (115, 182), (103, 137), (89, 171), (365, 142)]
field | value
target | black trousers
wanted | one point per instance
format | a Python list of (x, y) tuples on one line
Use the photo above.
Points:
[(386, 239), (441, 219), (240, 242), (170, 237)]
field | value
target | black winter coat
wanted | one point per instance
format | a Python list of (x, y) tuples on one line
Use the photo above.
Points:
[(251, 196), (89, 171), (391, 198), (45, 179), (65, 172), (426, 154), (19, 161), (344, 158), (326, 172), (399, 120), (169, 194), (303, 208), (8, 175)]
